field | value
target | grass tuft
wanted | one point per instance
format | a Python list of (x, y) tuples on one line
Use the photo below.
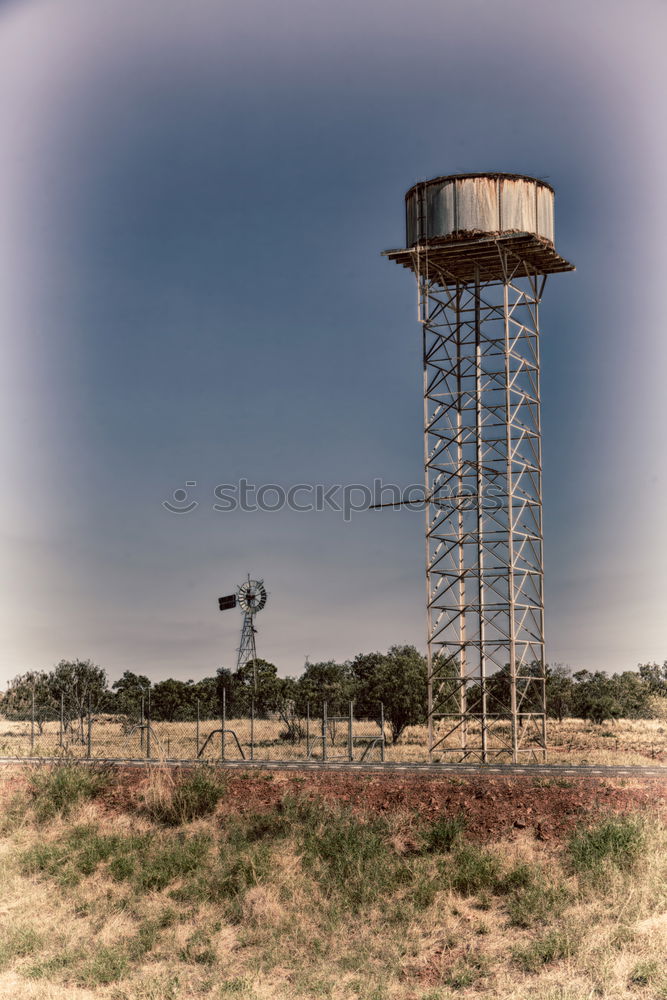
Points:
[(147, 862), (176, 802), (473, 870), (443, 834), (617, 842), (649, 973), (467, 971), (170, 859), (552, 948), (229, 987), (349, 858), (258, 826), (17, 942), (55, 790), (49, 968), (198, 949), (536, 903), (106, 965)]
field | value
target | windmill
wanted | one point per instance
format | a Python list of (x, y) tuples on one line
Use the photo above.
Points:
[(250, 597)]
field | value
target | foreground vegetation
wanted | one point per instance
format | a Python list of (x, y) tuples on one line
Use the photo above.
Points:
[(162, 891)]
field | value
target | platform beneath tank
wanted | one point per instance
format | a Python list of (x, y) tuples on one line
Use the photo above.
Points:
[(462, 259)]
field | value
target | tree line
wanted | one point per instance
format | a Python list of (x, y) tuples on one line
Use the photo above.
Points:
[(395, 679)]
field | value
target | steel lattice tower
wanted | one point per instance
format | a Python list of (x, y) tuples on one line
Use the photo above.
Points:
[(247, 650), (481, 247)]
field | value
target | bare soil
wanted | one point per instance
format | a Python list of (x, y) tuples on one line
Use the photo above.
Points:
[(493, 807)]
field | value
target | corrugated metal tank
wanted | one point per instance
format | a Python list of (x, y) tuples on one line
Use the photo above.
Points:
[(475, 204)]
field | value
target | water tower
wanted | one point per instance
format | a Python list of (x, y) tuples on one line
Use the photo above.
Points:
[(481, 247)]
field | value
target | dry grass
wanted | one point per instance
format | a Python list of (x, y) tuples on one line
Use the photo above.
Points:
[(305, 901)]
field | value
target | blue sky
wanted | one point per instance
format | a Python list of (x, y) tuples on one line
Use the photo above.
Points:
[(195, 197)]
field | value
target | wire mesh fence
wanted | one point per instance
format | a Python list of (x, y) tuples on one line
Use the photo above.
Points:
[(315, 735), (69, 727)]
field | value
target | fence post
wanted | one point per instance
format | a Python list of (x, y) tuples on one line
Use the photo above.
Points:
[(252, 729), (141, 725), (62, 718), (324, 730), (32, 722), (197, 754), (307, 730), (89, 741), (148, 726), (350, 754), (382, 731), (223, 720)]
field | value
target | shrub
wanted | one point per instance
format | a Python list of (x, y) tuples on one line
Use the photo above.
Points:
[(55, 790)]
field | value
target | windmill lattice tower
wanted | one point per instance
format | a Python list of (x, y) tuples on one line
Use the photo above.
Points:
[(251, 597)]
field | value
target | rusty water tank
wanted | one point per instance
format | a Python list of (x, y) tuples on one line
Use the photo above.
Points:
[(461, 206)]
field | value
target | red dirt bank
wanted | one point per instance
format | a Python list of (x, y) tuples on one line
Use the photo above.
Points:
[(494, 807)]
